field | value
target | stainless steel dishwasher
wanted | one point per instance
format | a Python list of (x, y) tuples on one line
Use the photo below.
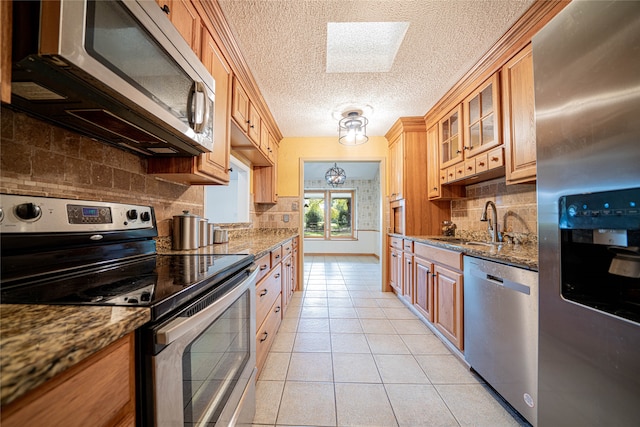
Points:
[(501, 330)]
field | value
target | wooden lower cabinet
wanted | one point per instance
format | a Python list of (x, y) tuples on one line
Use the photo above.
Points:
[(99, 391), (277, 280), (395, 270), (407, 277), (448, 310), (423, 278)]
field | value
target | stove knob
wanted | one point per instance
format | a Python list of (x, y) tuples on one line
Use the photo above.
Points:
[(28, 211), (145, 216), (132, 214)]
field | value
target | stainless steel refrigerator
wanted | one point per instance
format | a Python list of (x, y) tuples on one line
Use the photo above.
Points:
[(587, 94)]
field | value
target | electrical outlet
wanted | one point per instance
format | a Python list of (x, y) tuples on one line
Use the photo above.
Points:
[(285, 218)]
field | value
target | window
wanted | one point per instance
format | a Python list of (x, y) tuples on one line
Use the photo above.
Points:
[(329, 214)]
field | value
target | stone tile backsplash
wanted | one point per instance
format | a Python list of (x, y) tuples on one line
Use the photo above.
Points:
[(39, 159), (516, 206)]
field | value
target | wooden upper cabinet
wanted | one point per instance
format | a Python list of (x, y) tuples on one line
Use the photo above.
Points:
[(185, 18), (240, 109), (451, 137), (481, 111), (217, 162), (5, 52), (519, 125), (433, 169), (396, 169), (254, 124)]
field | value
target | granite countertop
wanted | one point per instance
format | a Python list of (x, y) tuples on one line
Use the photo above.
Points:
[(519, 255), (256, 244), (38, 342)]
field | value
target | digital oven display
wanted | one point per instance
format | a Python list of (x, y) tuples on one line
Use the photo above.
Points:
[(90, 212)]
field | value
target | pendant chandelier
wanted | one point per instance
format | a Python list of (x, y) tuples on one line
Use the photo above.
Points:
[(352, 128), (335, 176)]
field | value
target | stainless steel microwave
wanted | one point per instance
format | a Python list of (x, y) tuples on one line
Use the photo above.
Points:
[(117, 71)]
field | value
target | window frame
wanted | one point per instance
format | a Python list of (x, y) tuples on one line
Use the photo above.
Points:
[(327, 199)]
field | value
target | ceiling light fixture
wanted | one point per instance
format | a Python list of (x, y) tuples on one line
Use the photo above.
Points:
[(335, 176), (352, 128)]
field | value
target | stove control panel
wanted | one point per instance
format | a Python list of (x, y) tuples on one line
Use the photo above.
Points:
[(31, 214)]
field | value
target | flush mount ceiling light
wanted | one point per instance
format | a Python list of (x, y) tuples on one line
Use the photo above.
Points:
[(335, 176), (352, 128)]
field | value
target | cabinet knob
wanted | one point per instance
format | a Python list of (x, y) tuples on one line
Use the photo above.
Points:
[(458, 151), (435, 188), (481, 163)]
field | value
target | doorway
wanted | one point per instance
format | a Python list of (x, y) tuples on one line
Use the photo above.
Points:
[(346, 220)]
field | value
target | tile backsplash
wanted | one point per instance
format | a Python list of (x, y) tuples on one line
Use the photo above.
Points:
[(40, 159), (516, 206)]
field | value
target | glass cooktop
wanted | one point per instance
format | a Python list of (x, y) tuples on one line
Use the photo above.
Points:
[(161, 282)]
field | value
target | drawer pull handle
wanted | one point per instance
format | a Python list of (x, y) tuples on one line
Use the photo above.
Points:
[(277, 275), (277, 256), (277, 310), (263, 267), (264, 338), (264, 292)]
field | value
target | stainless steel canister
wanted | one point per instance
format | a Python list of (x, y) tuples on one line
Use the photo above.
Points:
[(186, 231), (210, 229), (204, 232)]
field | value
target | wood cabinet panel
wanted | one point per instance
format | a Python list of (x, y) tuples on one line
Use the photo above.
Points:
[(240, 108), (264, 181), (451, 137), (99, 391), (6, 23), (448, 313), (267, 333), (423, 285), (446, 257), (276, 256), (395, 270), (264, 265), (519, 129), (407, 277), (267, 291), (481, 111)]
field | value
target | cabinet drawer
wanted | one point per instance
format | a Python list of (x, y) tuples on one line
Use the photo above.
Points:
[(459, 168), (451, 174), (452, 259), (469, 167), (267, 333), (482, 163), (396, 242), (267, 291), (264, 265), (407, 246), (496, 158), (276, 255), (287, 249)]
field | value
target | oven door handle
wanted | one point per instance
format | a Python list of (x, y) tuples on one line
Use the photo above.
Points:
[(179, 326)]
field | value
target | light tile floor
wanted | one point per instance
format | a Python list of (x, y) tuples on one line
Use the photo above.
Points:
[(350, 355)]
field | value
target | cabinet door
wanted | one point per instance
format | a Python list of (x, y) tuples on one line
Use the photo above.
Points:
[(240, 108), (451, 142), (481, 118), (216, 163), (407, 277), (423, 285), (185, 18), (519, 118), (395, 270), (254, 125), (433, 165), (448, 313), (396, 169), (264, 180)]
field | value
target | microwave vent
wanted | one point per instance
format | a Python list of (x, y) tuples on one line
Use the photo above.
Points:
[(114, 124)]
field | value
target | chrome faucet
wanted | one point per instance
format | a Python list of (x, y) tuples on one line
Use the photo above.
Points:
[(494, 231)]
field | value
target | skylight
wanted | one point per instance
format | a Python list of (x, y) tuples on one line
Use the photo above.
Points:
[(363, 47)]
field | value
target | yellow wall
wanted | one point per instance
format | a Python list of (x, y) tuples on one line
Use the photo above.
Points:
[(291, 150)]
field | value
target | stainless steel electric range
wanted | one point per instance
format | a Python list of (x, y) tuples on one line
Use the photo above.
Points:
[(200, 343)]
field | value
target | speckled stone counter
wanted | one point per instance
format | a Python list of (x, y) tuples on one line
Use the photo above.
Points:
[(525, 255), (38, 342), (256, 243)]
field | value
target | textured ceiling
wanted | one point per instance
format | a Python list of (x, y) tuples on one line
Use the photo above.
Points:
[(284, 44)]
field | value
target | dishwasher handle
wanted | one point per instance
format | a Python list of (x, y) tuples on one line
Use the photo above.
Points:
[(508, 284)]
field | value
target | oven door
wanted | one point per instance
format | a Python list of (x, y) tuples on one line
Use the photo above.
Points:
[(205, 374)]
